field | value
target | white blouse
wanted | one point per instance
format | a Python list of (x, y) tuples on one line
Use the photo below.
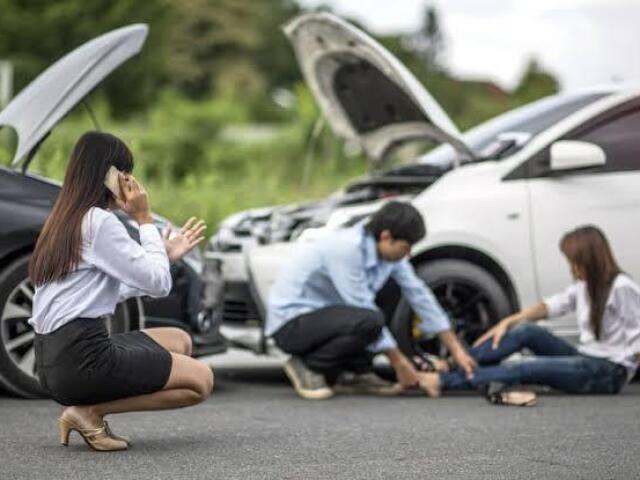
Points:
[(620, 328), (112, 268)]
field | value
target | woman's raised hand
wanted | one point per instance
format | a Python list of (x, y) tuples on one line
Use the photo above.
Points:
[(134, 199), (496, 332), (179, 243)]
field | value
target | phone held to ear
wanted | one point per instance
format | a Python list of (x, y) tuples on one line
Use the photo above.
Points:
[(112, 183)]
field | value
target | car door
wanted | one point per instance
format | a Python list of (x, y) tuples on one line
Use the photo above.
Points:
[(607, 197)]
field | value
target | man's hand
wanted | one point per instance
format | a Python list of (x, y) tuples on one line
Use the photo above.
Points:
[(406, 373), (179, 243), (465, 362), (458, 352)]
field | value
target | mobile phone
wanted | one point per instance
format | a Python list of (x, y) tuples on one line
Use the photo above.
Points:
[(112, 183)]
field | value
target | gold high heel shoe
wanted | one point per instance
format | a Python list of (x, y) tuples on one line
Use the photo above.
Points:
[(107, 429), (96, 438)]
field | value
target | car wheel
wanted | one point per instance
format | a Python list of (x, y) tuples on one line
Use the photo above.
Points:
[(471, 296), (18, 373)]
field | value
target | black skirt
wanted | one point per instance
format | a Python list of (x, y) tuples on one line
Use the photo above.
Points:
[(80, 364)]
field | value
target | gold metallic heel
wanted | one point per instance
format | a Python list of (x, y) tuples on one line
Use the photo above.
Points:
[(96, 438), (65, 431)]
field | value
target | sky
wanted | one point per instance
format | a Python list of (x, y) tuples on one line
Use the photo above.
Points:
[(582, 42)]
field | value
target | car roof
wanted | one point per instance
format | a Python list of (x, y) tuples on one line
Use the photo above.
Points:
[(606, 88)]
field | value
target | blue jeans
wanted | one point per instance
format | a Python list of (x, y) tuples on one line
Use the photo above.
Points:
[(556, 364)]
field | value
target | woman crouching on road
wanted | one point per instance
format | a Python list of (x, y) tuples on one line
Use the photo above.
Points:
[(85, 263), (607, 305)]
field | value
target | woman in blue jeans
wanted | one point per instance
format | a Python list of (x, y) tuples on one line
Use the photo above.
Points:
[(607, 306)]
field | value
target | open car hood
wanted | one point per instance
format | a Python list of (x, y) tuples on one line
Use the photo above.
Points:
[(365, 93), (48, 98)]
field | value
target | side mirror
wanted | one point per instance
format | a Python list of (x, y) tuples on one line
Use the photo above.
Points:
[(575, 155)]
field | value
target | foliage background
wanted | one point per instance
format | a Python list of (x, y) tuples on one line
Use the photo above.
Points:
[(214, 108)]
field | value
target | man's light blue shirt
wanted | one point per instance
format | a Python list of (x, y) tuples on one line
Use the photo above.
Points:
[(344, 269)]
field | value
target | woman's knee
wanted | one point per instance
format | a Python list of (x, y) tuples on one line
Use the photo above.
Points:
[(527, 329), (181, 341), (173, 339), (206, 383), (184, 341), (191, 375), (203, 385)]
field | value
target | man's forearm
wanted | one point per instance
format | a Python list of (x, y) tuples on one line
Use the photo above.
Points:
[(396, 357), (451, 341)]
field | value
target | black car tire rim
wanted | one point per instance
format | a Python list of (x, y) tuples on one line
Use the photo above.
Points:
[(471, 296), (469, 309), (18, 336)]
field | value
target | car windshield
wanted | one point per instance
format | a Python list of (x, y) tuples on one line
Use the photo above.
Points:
[(526, 122)]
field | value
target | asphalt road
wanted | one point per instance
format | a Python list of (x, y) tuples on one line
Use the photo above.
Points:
[(254, 427)]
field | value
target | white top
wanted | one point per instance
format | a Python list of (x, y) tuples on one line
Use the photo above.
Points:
[(620, 327), (112, 268)]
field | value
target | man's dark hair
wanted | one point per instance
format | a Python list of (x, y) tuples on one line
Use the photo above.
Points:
[(402, 220)]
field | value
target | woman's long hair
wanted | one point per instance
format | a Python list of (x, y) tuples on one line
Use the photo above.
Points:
[(58, 248), (587, 249)]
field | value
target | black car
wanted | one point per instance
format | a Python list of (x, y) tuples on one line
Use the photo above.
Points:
[(26, 200)]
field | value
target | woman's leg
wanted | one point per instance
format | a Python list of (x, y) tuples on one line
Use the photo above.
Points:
[(190, 382), (526, 335), (172, 339), (570, 374)]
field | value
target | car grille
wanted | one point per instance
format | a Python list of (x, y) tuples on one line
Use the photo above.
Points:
[(238, 305)]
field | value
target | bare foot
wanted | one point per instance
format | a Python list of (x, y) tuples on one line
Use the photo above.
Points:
[(429, 383)]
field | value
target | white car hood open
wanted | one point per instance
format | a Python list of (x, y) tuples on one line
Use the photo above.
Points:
[(48, 98), (364, 92)]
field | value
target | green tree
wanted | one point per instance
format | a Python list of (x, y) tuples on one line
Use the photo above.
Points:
[(35, 33), (231, 46), (535, 83), (428, 42)]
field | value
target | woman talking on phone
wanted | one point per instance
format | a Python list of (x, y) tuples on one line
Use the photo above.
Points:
[(83, 265)]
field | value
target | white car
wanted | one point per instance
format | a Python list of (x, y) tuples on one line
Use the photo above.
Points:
[(496, 200)]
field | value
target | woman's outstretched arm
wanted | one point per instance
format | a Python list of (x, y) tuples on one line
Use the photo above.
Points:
[(553, 306), (530, 314)]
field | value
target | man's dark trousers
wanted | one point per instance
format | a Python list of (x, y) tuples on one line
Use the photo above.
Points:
[(332, 339)]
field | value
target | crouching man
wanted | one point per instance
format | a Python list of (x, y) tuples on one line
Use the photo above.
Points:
[(322, 308)]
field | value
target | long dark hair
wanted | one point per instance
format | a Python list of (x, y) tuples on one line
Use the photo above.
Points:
[(587, 248), (57, 251)]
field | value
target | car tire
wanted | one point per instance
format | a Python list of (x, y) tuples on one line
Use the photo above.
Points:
[(17, 359), (455, 283)]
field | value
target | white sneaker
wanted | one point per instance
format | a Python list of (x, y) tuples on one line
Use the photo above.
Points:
[(307, 383)]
